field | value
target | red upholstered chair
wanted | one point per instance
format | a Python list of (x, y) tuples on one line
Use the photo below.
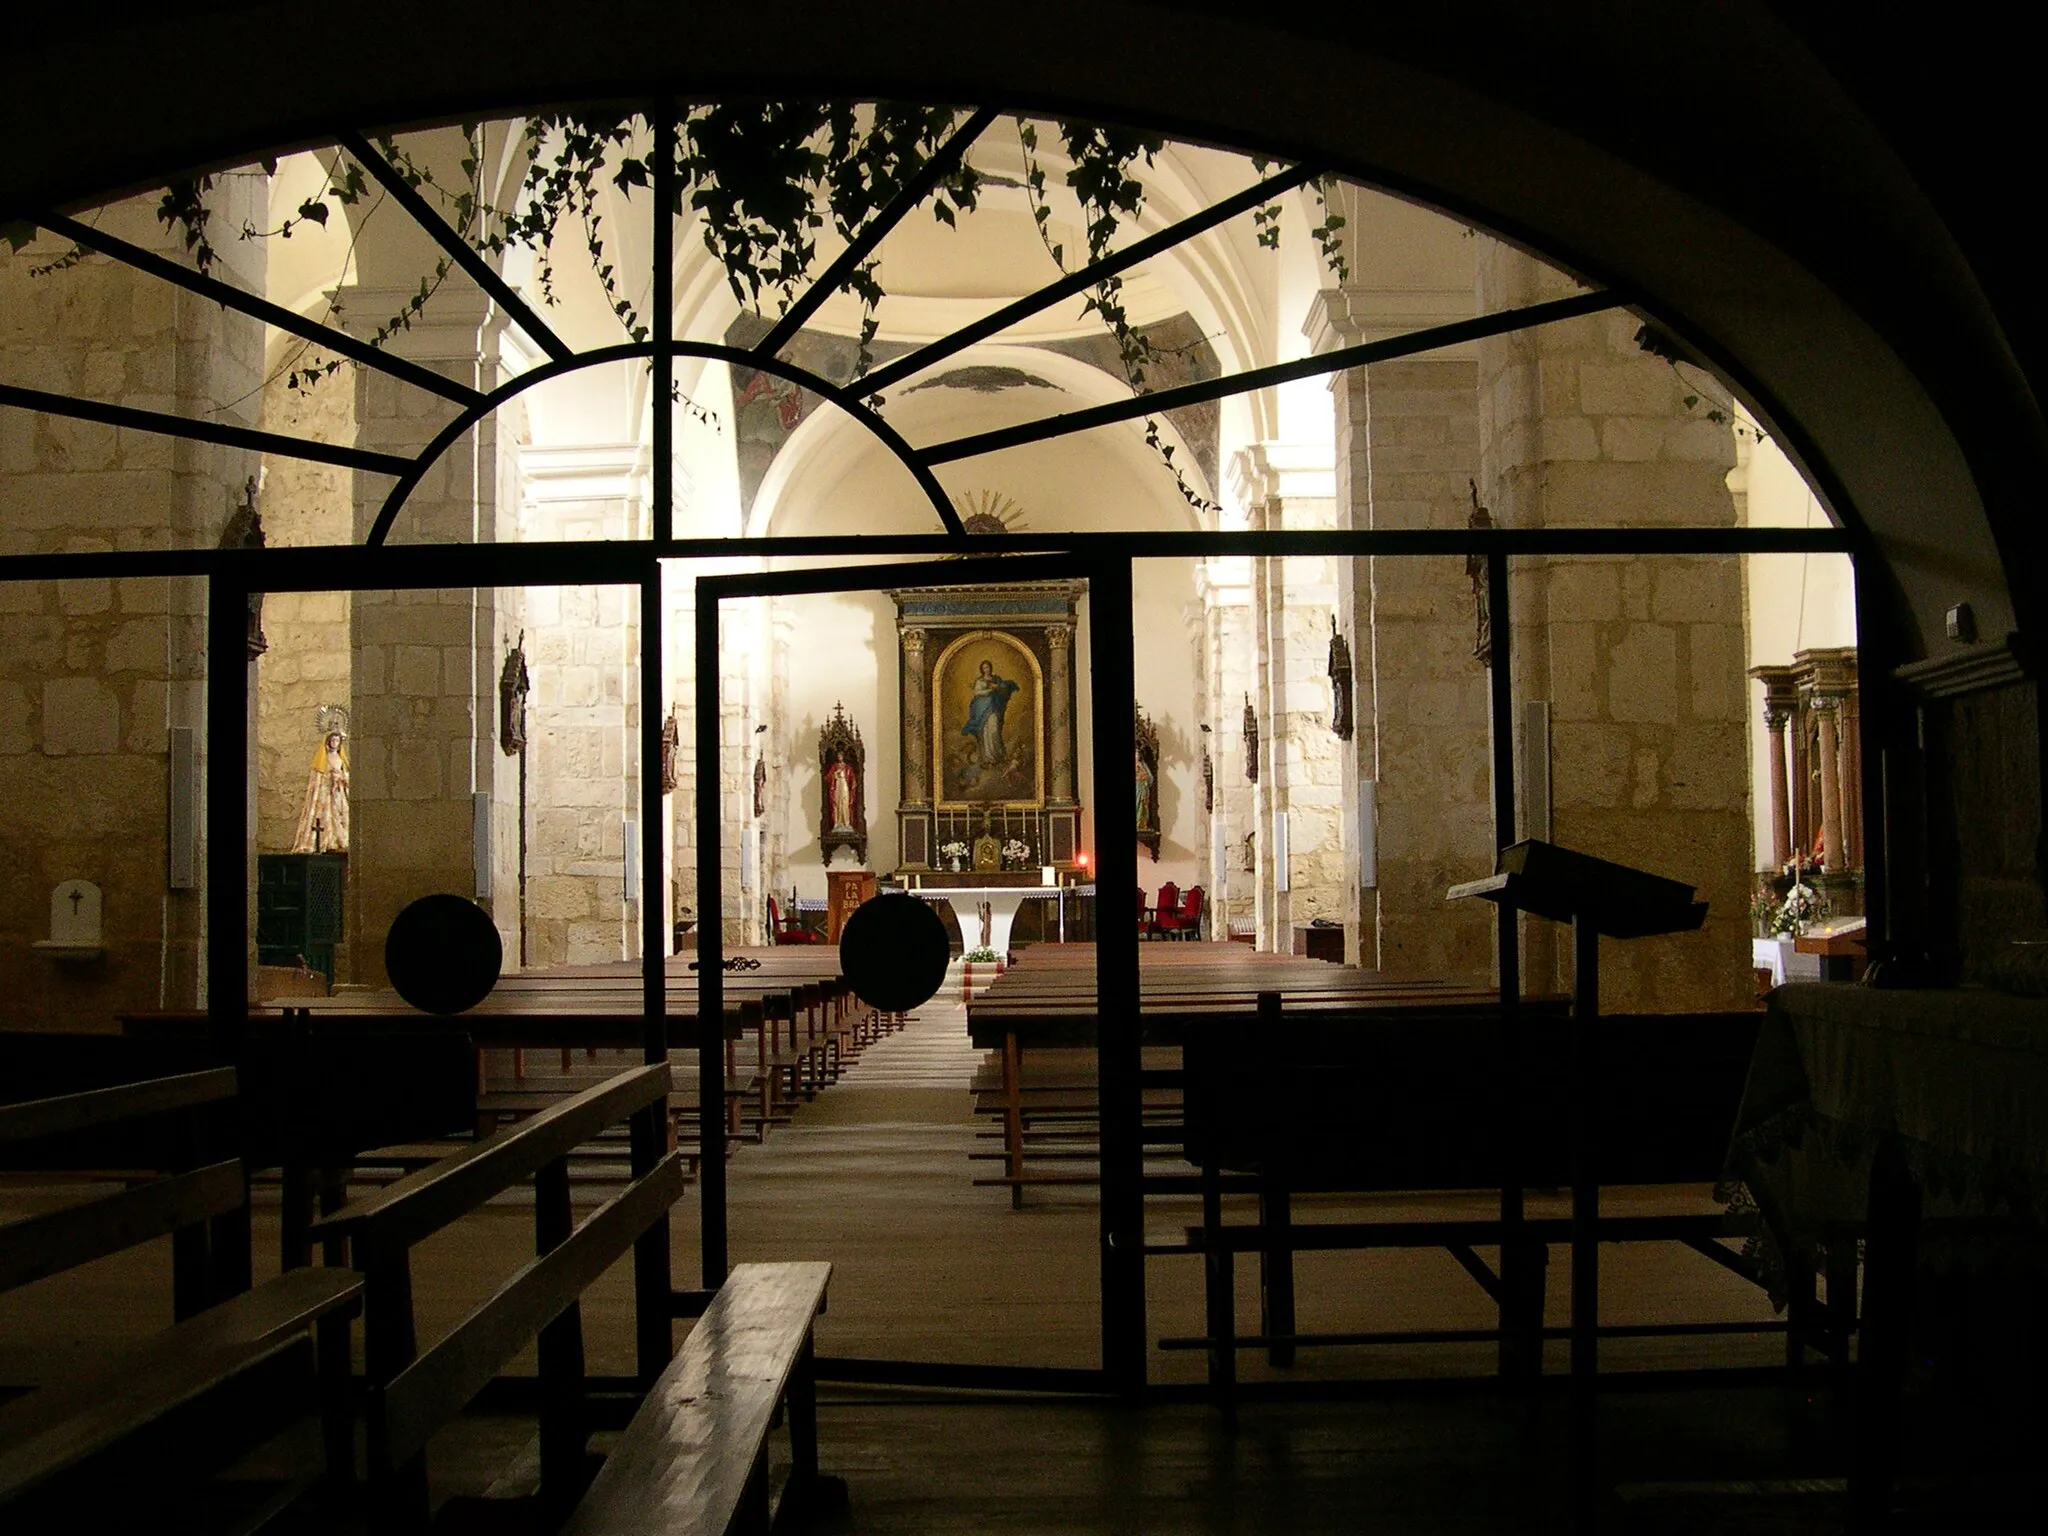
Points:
[(1163, 911), (1186, 921), (1144, 915), (790, 931)]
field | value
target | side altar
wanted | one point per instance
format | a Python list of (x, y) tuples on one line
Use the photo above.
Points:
[(987, 701)]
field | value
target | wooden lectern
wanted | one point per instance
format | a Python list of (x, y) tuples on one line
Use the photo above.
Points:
[(1596, 897), (845, 891)]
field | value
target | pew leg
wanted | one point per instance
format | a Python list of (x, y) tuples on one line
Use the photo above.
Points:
[(1219, 1284), (1013, 1119), (1276, 1273), (756, 1512), (1889, 1252), (802, 1404), (1840, 1261), (1523, 1269), (398, 1500), (337, 1422), (1801, 1306), (295, 1216)]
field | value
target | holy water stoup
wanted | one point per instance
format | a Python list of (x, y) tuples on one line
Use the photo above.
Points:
[(323, 819)]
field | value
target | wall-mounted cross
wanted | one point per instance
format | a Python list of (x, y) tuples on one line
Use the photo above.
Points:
[(77, 897)]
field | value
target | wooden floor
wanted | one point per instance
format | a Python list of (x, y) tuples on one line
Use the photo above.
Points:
[(875, 1177)]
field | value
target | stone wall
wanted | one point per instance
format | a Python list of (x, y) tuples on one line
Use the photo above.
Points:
[(423, 664), (1641, 659), (307, 665), (94, 673), (582, 646)]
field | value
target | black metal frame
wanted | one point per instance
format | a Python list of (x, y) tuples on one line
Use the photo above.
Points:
[(1104, 559)]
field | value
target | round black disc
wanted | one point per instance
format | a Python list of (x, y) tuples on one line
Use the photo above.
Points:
[(443, 954), (893, 952)]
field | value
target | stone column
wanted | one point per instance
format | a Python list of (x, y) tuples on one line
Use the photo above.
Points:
[(94, 673), (1775, 721), (913, 810), (1640, 658), (1224, 585), (1830, 785), (1289, 485), (422, 723), (1407, 452), (1059, 640)]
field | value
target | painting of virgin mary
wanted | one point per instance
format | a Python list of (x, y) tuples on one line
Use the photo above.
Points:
[(988, 700)]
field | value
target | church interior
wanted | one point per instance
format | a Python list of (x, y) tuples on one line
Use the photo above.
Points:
[(563, 679)]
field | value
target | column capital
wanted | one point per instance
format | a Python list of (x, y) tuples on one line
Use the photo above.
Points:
[(1276, 471), (459, 324), (1058, 636), (913, 639), (1353, 315)]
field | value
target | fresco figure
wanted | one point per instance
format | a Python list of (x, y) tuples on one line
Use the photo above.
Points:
[(987, 702)]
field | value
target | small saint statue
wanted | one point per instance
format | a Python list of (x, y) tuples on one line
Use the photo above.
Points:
[(244, 530), (1340, 683), (1476, 573), (323, 819)]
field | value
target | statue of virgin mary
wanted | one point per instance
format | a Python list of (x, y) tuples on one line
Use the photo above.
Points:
[(323, 819)]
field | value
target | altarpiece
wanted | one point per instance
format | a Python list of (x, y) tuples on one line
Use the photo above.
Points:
[(987, 703)]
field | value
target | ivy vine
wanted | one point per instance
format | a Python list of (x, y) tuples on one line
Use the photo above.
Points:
[(766, 181)]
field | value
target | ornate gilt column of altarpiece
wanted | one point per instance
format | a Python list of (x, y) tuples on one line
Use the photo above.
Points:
[(986, 694)]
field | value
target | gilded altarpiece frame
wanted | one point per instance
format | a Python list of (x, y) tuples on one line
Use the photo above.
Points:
[(987, 702)]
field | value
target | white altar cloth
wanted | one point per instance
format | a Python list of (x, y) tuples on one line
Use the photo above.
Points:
[(1003, 902)]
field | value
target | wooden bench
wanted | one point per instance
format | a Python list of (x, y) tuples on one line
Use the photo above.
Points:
[(413, 1393), (220, 1338), (1404, 1102), (695, 1457)]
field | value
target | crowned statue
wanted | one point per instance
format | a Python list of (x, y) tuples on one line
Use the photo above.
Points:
[(323, 819)]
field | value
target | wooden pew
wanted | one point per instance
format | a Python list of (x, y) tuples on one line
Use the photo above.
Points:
[(695, 1457), (1398, 1102), (219, 1339), (1045, 1007), (412, 1394)]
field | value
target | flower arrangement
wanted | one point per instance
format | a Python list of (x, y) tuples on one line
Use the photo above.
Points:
[(953, 851), (1016, 854), (1788, 916), (983, 956)]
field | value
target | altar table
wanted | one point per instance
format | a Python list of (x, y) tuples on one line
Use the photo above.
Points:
[(1003, 902)]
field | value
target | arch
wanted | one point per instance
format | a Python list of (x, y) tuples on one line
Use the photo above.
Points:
[(823, 446), (844, 399), (1833, 291)]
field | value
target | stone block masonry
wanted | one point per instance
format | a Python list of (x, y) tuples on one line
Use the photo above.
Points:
[(1641, 659)]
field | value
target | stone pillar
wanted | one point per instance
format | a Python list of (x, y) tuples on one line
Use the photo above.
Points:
[(1830, 786), (1225, 589), (1407, 452), (95, 673), (913, 812), (423, 721), (1640, 658), (1289, 485), (1059, 640), (1775, 721)]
